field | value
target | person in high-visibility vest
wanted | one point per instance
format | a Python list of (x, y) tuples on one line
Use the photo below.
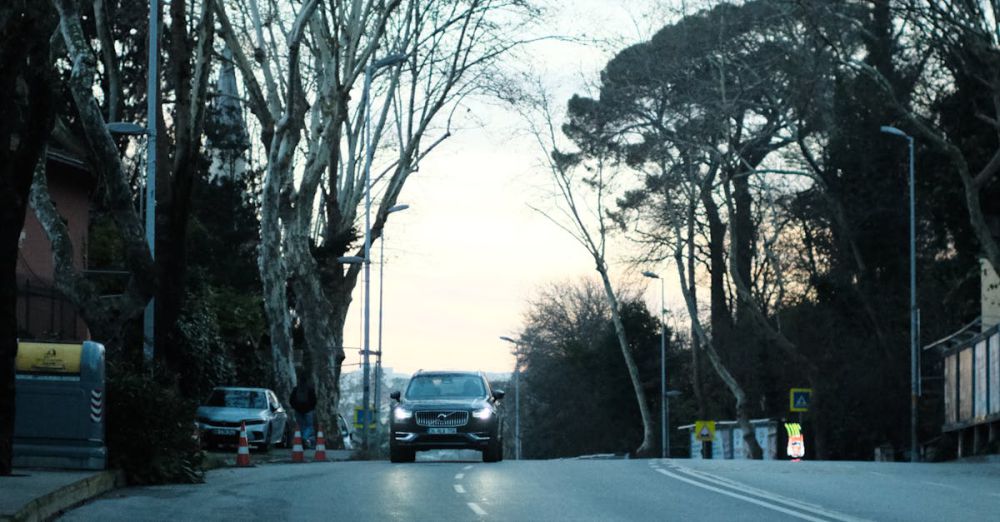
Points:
[(796, 442)]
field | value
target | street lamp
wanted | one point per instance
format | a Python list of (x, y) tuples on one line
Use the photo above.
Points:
[(125, 128), (517, 396), (392, 59), (914, 353), (117, 127), (378, 354), (665, 399), (152, 102)]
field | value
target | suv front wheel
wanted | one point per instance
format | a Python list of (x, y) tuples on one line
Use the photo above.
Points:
[(493, 452), (401, 454)]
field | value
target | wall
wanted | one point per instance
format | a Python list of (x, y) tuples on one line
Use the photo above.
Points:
[(41, 312)]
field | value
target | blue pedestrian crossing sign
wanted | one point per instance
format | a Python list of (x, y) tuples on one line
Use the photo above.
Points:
[(799, 399), (359, 418)]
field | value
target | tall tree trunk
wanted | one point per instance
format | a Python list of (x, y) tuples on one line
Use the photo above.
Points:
[(696, 378), (648, 437), (744, 241), (731, 382), (9, 223), (273, 279), (721, 319), (322, 323), (328, 364), (25, 80), (191, 99)]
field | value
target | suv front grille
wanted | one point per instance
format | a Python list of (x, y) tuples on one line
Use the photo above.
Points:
[(442, 419)]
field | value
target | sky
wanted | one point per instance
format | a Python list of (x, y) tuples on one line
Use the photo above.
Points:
[(463, 262)]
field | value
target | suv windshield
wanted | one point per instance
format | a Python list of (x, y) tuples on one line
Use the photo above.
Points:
[(238, 399), (445, 386)]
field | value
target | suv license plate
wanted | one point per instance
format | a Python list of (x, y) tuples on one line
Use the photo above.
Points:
[(441, 431), (223, 432)]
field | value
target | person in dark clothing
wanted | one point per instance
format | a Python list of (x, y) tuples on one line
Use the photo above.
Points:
[(303, 401)]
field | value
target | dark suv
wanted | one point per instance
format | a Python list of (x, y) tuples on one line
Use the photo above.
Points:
[(446, 410)]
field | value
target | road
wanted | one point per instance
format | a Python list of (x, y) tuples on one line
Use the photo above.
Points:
[(605, 490)]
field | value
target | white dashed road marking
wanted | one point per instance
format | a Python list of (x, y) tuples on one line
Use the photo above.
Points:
[(459, 489), (459, 476), (476, 509), (468, 467), (940, 485)]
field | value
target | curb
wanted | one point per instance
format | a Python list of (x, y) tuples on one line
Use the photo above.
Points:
[(47, 506)]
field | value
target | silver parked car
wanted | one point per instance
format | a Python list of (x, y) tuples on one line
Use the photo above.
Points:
[(220, 417), (346, 435)]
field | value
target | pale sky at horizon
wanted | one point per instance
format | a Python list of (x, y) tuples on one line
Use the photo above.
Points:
[(462, 263)]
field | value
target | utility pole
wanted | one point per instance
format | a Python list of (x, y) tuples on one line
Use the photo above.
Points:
[(369, 156), (378, 354)]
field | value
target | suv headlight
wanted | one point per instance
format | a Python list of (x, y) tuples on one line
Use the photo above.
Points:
[(401, 414), (484, 413)]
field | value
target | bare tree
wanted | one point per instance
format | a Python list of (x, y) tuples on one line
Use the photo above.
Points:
[(104, 316), (584, 185), (304, 91), (178, 163)]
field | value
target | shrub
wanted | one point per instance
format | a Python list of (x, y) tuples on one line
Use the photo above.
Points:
[(150, 429)]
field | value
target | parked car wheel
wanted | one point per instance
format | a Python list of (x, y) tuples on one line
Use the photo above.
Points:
[(283, 443), (265, 446)]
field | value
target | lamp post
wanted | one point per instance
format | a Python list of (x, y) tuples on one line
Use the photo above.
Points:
[(664, 407), (369, 154), (378, 354), (914, 353), (517, 396), (152, 102), (152, 99)]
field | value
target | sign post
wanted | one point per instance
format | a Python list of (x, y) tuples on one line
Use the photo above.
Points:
[(799, 399), (705, 432), (360, 416)]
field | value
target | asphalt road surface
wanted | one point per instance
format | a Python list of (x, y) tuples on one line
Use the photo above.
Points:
[(464, 488)]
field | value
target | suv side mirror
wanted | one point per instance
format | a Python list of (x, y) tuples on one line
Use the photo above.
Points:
[(394, 395), (498, 394)]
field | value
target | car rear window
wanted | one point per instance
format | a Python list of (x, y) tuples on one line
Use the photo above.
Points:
[(445, 386), (238, 399)]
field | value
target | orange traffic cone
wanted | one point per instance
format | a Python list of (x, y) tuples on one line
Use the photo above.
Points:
[(297, 453), (243, 453), (320, 455)]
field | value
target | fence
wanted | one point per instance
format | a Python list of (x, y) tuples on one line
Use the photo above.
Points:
[(44, 314)]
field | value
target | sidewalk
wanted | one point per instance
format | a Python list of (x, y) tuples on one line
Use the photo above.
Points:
[(34, 495), (31, 495)]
